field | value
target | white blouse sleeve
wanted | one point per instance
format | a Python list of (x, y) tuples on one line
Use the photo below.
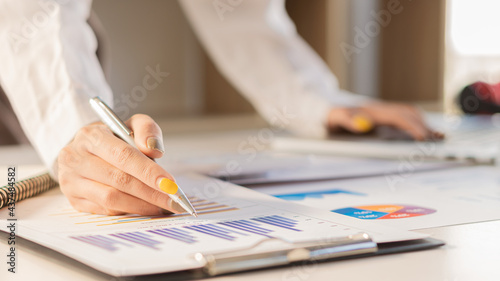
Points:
[(256, 46), (49, 69)]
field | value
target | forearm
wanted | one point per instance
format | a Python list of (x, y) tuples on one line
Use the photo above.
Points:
[(49, 70), (255, 45)]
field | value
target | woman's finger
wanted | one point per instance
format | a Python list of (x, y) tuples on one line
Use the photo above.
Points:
[(133, 162), (84, 205), (96, 169), (147, 135), (415, 114), (110, 198), (350, 119), (396, 116), (410, 126)]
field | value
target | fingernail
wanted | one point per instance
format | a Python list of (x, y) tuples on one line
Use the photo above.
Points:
[(362, 124), (168, 186), (155, 143)]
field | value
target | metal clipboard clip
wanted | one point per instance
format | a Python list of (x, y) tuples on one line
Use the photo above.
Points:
[(250, 258)]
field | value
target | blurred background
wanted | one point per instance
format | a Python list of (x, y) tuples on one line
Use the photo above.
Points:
[(425, 53)]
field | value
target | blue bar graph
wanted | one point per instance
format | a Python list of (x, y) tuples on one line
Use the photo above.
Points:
[(225, 229), (192, 234), (217, 231), (137, 237), (175, 233), (100, 241), (248, 226), (206, 229), (315, 194), (279, 221)]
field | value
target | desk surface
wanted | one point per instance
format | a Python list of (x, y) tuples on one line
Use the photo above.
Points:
[(472, 251)]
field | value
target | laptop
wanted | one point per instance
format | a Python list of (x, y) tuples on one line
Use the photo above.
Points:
[(470, 138)]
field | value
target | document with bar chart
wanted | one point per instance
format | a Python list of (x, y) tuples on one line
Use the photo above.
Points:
[(413, 201), (230, 218)]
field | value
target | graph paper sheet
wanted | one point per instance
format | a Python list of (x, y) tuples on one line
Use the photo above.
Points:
[(230, 218), (410, 201)]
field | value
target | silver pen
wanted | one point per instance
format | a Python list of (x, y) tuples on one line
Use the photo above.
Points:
[(116, 125)]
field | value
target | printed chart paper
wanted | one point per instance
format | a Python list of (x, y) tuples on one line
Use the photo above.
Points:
[(230, 218), (273, 167), (420, 200)]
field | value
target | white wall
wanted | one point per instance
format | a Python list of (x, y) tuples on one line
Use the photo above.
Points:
[(364, 77), (150, 33), (472, 50), (155, 32)]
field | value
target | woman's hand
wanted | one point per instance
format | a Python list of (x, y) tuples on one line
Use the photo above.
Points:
[(100, 173), (401, 116)]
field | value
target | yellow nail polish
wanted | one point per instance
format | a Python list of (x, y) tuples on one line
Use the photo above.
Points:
[(362, 124), (168, 186)]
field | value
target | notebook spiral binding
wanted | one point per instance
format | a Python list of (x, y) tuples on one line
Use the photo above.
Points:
[(27, 188)]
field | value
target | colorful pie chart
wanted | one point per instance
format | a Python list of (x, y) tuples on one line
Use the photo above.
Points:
[(383, 212)]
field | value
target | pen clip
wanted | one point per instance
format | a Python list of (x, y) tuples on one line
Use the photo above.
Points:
[(114, 120), (110, 119), (248, 258)]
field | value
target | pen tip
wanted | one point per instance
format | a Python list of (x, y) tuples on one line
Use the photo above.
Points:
[(195, 215)]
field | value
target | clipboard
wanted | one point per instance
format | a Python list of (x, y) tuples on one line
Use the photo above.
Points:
[(251, 258), (316, 244), (382, 249), (354, 246)]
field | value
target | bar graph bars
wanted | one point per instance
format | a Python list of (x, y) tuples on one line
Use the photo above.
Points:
[(137, 237), (175, 233), (100, 241), (216, 231), (248, 226), (279, 221), (202, 206), (191, 234)]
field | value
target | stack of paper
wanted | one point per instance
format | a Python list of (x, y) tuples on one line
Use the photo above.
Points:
[(230, 218)]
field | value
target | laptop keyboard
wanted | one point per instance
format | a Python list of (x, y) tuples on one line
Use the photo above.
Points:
[(475, 137), (473, 130)]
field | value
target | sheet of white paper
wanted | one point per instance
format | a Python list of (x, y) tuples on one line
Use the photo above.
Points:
[(273, 167), (416, 201), (230, 217), (22, 172)]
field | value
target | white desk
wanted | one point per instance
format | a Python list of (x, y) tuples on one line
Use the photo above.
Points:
[(472, 251)]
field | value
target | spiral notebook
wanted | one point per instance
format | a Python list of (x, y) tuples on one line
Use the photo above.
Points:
[(35, 180)]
